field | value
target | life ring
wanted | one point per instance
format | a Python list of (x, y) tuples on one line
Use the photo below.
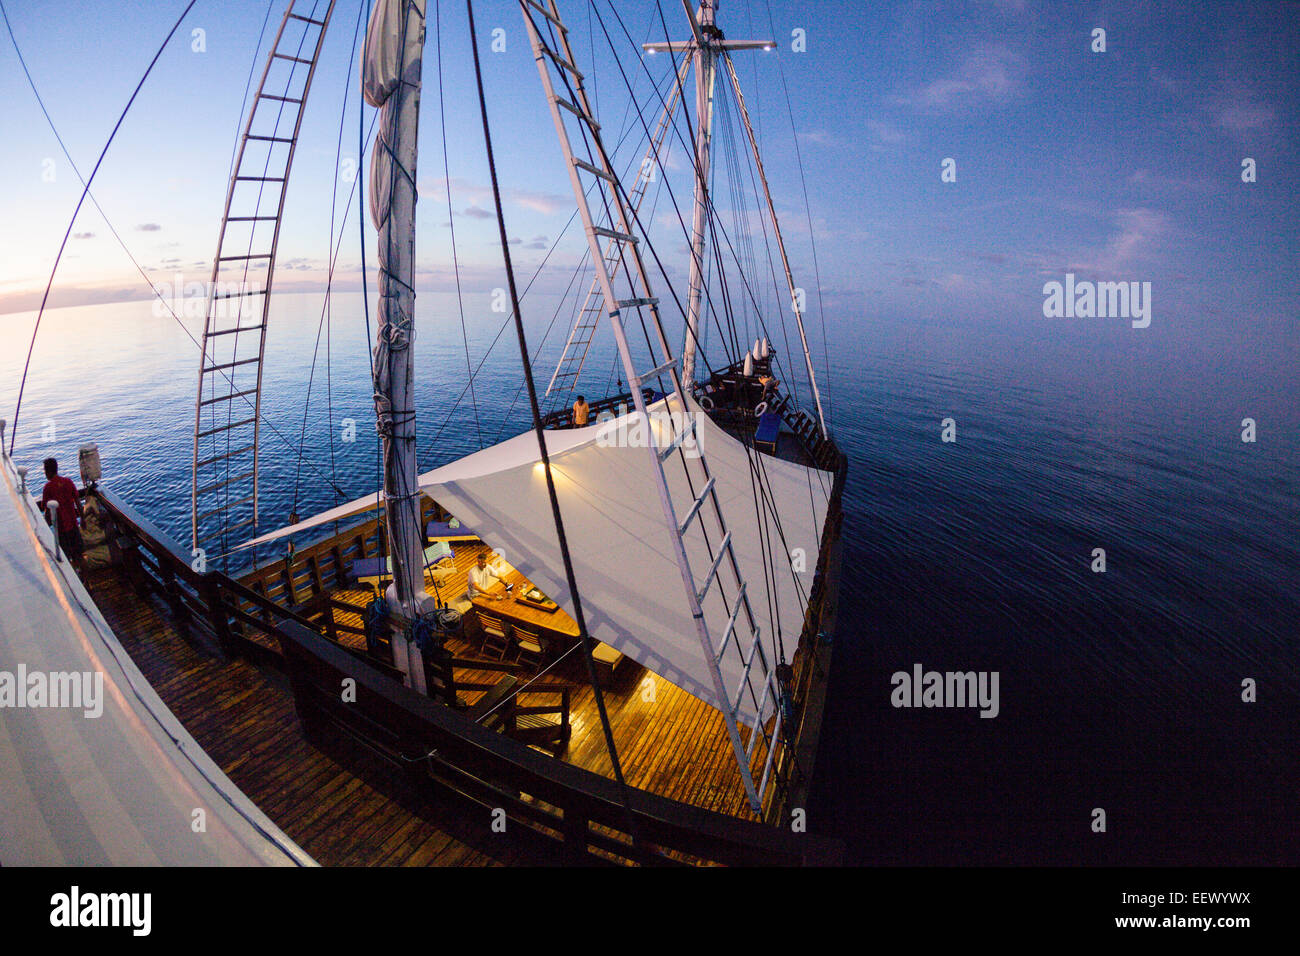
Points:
[(706, 403), (760, 409)]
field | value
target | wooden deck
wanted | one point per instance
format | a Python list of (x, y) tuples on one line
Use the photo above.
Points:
[(223, 677), (243, 716), (669, 742)]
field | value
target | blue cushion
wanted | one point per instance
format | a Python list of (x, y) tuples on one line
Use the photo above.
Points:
[(769, 427), (441, 529), (381, 567)]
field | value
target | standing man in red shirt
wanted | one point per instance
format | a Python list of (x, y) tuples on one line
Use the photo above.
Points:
[(63, 491)]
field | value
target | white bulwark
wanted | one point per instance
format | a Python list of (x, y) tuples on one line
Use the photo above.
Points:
[(119, 782)]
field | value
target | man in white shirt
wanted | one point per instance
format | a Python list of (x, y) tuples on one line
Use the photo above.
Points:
[(481, 577)]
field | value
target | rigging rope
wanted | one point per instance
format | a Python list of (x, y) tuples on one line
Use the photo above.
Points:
[(451, 216), (333, 247), (541, 436), (84, 192)]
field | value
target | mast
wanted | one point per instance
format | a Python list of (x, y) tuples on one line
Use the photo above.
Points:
[(705, 46), (705, 29), (391, 81)]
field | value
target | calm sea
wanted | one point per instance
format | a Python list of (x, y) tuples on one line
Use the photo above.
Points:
[(1118, 691)]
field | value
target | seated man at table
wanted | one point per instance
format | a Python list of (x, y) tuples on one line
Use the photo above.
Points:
[(481, 576)]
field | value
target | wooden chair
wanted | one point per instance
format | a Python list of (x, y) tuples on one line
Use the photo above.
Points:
[(496, 641), (530, 645)]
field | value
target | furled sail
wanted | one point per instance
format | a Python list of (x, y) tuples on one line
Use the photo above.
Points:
[(390, 79)]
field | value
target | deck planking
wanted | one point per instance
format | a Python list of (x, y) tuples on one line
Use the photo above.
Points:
[(675, 745), (244, 718)]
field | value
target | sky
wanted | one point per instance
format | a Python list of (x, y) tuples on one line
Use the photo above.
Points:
[(1120, 165)]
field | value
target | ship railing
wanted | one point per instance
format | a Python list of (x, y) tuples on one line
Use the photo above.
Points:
[(242, 620), (549, 804), (614, 404)]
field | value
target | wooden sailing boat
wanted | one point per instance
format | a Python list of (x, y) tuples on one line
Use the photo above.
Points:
[(663, 534)]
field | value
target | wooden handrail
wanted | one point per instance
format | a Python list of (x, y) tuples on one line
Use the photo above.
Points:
[(477, 758)]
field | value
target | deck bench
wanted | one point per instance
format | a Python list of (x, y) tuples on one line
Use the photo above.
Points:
[(767, 432), (372, 570), (444, 531)]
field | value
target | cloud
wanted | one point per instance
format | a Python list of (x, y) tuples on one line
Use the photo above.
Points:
[(818, 137), (148, 227), (545, 203), (1243, 119), (990, 74), (480, 195), (1138, 232), (83, 235), (477, 212), (884, 132), (1235, 108)]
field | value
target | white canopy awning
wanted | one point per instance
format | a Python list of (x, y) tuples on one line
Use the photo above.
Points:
[(622, 550)]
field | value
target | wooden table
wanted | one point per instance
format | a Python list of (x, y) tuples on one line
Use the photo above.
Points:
[(555, 626)]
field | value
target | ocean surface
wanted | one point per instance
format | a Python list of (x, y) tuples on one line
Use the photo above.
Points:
[(1118, 691)]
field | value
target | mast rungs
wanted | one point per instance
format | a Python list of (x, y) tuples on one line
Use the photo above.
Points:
[(250, 218), (236, 295), (757, 732), (218, 368), (594, 170), (771, 753), (695, 508), (225, 507), (546, 13), (657, 370), (227, 397), (207, 489), (636, 303), (613, 234), (259, 179), (260, 255), (226, 428), (713, 570), (237, 328), (270, 139), (282, 99), (222, 532), (231, 454), (296, 59), (298, 16), (731, 624), (672, 446), (578, 111), (560, 61), (744, 675)]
